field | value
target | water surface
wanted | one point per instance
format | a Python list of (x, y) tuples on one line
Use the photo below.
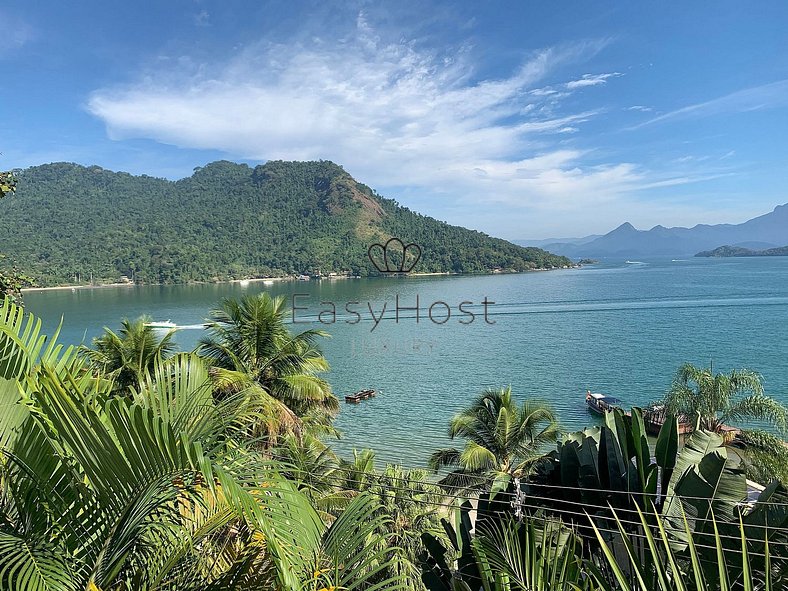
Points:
[(619, 328)]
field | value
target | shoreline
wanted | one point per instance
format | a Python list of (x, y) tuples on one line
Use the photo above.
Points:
[(75, 287)]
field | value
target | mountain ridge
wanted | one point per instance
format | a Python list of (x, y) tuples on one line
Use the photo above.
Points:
[(226, 221), (769, 230)]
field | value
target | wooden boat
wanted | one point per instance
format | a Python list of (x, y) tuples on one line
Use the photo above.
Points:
[(601, 403), (654, 417), (357, 397)]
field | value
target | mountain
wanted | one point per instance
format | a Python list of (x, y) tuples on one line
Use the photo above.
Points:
[(767, 231), (738, 251), (547, 243), (225, 221)]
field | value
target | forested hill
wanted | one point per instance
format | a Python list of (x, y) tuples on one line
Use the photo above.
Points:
[(225, 221)]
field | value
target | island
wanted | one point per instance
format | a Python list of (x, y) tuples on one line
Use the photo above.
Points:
[(738, 251)]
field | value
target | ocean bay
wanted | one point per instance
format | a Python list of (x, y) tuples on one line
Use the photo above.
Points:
[(617, 328)]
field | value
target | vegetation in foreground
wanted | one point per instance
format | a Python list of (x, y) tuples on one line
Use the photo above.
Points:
[(11, 279), (130, 466)]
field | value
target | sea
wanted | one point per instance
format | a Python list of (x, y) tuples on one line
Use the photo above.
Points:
[(431, 344)]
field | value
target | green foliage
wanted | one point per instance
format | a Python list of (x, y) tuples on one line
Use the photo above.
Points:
[(447, 561), (159, 490), (126, 356), (166, 487), (716, 401), (11, 280), (504, 555), (226, 221), (739, 562), (249, 345), (503, 441), (7, 183)]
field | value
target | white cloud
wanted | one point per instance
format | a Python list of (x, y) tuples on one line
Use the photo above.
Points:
[(202, 18), (756, 98), (591, 80), (394, 115), (16, 32), (641, 108)]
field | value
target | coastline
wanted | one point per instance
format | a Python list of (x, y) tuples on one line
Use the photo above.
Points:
[(75, 287)]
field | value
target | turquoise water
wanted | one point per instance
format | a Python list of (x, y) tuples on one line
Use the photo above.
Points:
[(619, 328)]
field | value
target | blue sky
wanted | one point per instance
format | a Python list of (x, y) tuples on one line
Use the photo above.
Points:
[(521, 119)]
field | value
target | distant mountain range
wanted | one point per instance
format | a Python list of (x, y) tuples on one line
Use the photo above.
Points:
[(738, 251), (761, 233), (68, 223)]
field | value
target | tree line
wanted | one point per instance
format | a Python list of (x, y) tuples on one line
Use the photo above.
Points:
[(226, 221)]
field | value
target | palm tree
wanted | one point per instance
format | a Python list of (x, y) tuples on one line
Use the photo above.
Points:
[(504, 441), (412, 504), (719, 400), (248, 342), (125, 356), (158, 490), (314, 468)]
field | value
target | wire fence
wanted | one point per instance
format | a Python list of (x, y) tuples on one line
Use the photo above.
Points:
[(542, 509)]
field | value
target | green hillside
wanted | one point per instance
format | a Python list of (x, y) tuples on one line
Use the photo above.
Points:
[(225, 221), (738, 251)]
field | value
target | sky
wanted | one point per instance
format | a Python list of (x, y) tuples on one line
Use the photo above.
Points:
[(526, 120)]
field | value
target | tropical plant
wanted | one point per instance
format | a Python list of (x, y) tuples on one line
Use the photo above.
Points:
[(412, 503), (127, 355), (248, 343), (606, 466), (718, 401), (7, 183), (505, 555), (359, 473), (503, 441), (720, 566), (157, 490), (449, 559), (314, 467), (11, 281), (602, 472)]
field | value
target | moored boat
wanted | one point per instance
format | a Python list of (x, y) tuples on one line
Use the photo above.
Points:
[(654, 417), (357, 397), (601, 403)]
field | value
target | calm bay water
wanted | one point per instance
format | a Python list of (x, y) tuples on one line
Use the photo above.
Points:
[(619, 328)]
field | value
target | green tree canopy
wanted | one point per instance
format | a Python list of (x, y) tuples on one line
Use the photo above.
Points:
[(503, 440), (715, 401), (127, 355), (249, 342)]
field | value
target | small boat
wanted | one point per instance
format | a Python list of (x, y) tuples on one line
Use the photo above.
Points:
[(268, 282), (601, 403), (357, 397), (654, 417), (303, 277), (161, 324)]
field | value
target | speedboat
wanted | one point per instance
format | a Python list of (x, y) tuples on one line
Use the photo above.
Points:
[(161, 324)]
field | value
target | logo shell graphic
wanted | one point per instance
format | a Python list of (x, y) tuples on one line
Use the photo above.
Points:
[(392, 257)]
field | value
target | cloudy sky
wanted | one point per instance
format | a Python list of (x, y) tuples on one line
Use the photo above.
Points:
[(522, 119)]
